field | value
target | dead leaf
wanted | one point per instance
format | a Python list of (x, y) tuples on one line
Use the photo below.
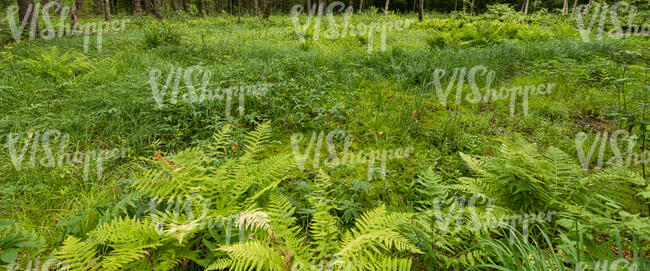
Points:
[(415, 114), (158, 157)]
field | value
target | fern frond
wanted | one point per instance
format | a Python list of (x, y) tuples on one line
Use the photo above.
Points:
[(218, 146), (76, 254), (376, 231), (253, 255), (253, 220), (220, 264), (381, 262), (122, 255), (124, 230), (324, 232), (257, 138)]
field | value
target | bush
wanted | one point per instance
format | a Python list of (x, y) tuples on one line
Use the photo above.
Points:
[(158, 34)]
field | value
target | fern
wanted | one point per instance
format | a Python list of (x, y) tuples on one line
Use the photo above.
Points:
[(253, 220), (189, 192), (258, 138), (253, 255), (523, 179), (370, 246), (76, 254)]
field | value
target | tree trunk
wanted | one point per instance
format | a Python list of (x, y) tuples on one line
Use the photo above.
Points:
[(421, 11), (350, 6), (575, 4), (565, 7), (28, 14), (526, 7), (203, 10), (534, 7), (80, 4), (137, 8), (107, 10), (386, 7), (266, 9), (74, 17), (309, 7), (175, 5), (230, 4), (158, 9), (147, 7), (238, 11), (256, 7), (360, 6), (96, 7), (185, 6)]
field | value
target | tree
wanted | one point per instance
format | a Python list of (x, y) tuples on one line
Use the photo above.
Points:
[(158, 8), (360, 6), (309, 6), (96, 7), (565, 8), (202, 6), (421, 11), (255, 7), (266, 9), (137, 8), (386, 7), (74, 20), (350, 6), (526, 6), (29, 15), (147, 7), (107, 10), (238, 11)]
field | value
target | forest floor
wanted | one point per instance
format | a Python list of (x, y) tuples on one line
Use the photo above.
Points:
[(395, 96)]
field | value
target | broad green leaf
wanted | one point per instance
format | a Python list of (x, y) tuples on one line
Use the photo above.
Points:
[(9, 255)]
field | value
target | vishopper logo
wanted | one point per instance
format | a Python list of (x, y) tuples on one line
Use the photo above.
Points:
[(477, 96), (51, 264), (50, 159), (347, 157), (620, 264), (619, 159), (599, 16), (49, 32), (334, 32), (457, 213), (333, 264), (181, 215), (203, 93)]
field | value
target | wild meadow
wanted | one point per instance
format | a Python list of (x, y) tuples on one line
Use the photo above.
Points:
[(484, 139)]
